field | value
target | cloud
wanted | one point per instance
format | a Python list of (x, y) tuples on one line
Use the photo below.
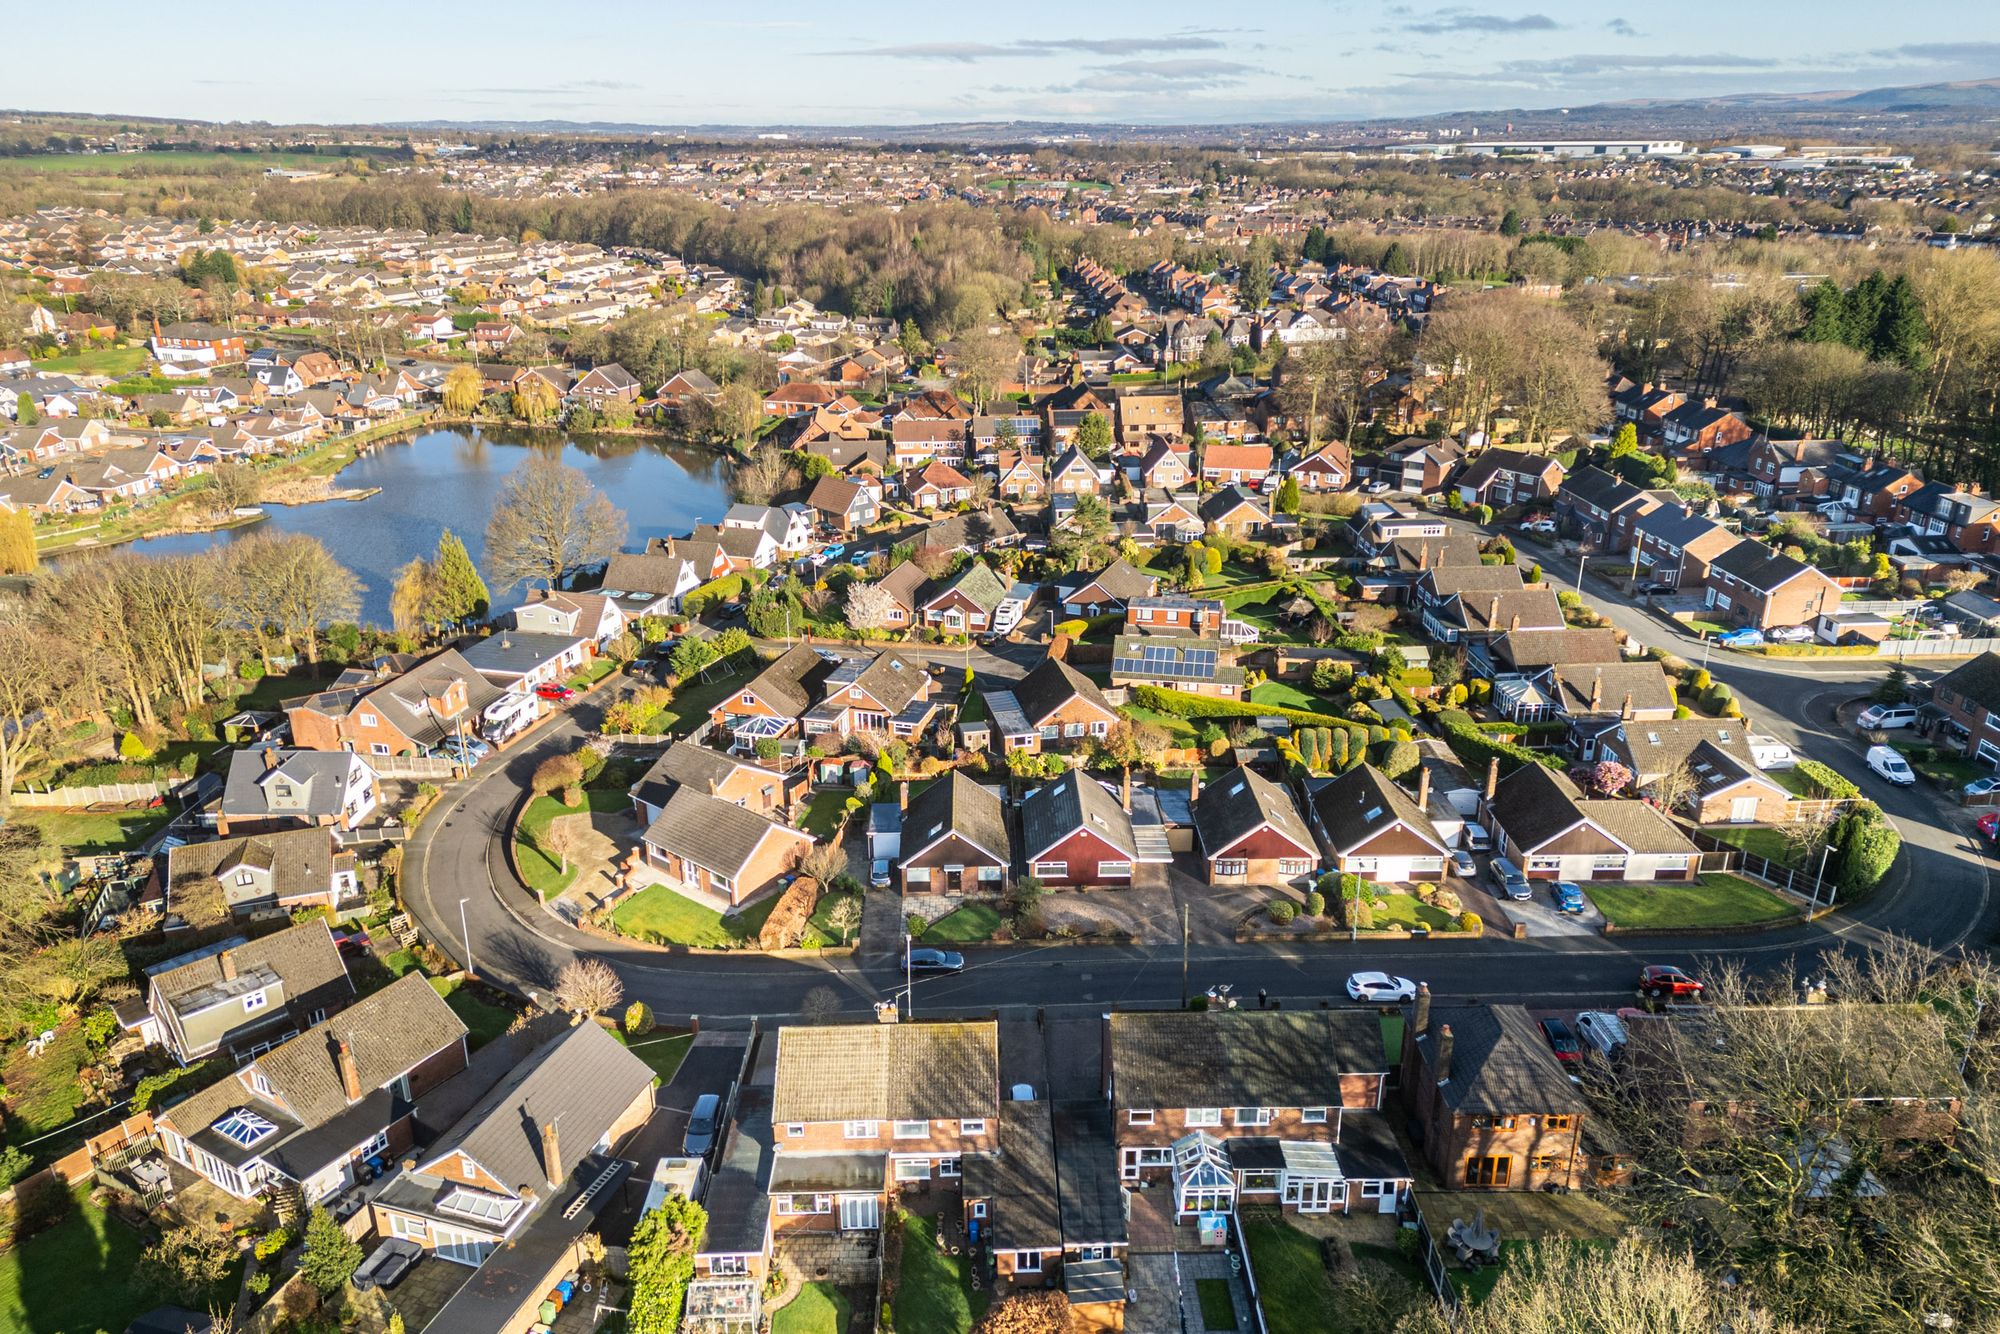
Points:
[(1159, 75), (968, 52), (1948, 51), (1621, 28), (1465, 20)]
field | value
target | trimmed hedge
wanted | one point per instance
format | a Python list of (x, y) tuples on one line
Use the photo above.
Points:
[(1818, 651), (1825, 781), (1475, 748), (1181, 704)]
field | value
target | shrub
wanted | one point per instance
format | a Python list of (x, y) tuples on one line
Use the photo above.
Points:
[(1283, 911), (1072, 629), (1469, 923), (638, 1019), (1446, 900), (1361, 915), (133, 747), (1426, 891), (1315, 904), (1824, 781), (916, 924)]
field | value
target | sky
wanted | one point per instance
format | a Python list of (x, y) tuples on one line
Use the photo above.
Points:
[(669, 62)]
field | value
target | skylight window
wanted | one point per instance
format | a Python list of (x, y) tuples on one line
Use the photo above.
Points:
[(244, 1127), (480, 1204)]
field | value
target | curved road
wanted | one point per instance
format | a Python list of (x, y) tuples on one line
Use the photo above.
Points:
[(1941, 892)]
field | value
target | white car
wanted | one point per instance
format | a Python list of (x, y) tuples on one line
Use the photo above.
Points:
[(1890, 766), (1543, 526), (1881, 717), (1378, 488), (1380, 987), (1790, 634)]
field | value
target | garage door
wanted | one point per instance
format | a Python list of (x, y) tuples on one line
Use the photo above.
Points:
[(460, 1247)]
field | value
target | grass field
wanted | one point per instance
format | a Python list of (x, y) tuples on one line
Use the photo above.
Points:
[(818, 1309), (483, 1020), (691, 703), (81, 1275), (42, 1091), (1291, 697), (89, 832), (1181, 728), (936, 1295), (663, 1052), (117, 362), (1298, 1298), (968, 925), (113, 164), (1713, 900), (661, 916)]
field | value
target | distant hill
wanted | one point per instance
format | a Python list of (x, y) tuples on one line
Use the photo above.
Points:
[(1963, 95)]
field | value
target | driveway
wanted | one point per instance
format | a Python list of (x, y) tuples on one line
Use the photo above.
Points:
[(711, 1066), (1539, 915)]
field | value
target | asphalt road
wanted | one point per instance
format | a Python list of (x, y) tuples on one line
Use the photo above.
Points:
[(1941, 892)]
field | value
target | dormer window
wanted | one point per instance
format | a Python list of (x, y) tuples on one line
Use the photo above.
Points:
[(245, 878), (254, 1000)]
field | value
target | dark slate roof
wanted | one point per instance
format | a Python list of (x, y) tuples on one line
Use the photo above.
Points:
[(1051, 685), (1978, 681), (1758, 565), (738, 1200), (1465, 580), (1598, 487), (686, 764), (321, 773), (1361, 803), (1093, 1200), (887, 1072), (1505, 460), (513, 653), (1535, 803), (1220, 504), (1018, 1182), (1052, 812), (1239, 1058), (717, 834), (1237, 803), (300, 862), (890, 678), (582, 1081), (1421, 553), (1676, 526), (958, 805), (905, 583), (1368, 1150), (1536, 605), (1527, 650), (1501, 1064), (1646, 682), (1120, 579), (968, 532), (792, 679)]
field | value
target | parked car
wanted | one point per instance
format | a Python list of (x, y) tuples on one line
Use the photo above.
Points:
[(1562, 1042), (1567, 896), (878, 873), (1791, 634), (1883, 717), (1508, 880), (467, 753), (1378, 488), (936, 961), (1654, 586), (1989, 824), (1982, 787), (352, 941), (1602, 1032), (1462, 863), (1888, 764), (834, 552), (1544, 527), (551, 690), (1477, 839), (1662, 981), (1747, 637), (701, 1127), (1380, 987)]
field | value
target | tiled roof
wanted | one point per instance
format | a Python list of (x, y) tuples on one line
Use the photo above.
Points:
[(887, 1072), (790, 681), (956, 804), (1978, 681), (1501, 1064), (1239, 802), (1361, 803), (1051, 685), (1054, 811), (716, 834), (1239, 1058), (303, 955)]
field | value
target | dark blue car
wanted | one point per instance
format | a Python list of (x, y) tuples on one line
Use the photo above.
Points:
[(1567, 896)]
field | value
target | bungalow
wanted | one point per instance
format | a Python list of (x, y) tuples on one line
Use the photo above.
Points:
[(1236, 465), (720, 850), (1728, 787), (1075, 833), (1503, 477), (1110, 589), (1250, 833), (1541, 820), (905, 586), (878, 694), (966, 604), (1329, 468), (1171, 662), (1234, 511), (1371, 828), (593, 617), (1174, 614), (1169, 518), (685, 764), (796, 397), (979, 530), (780, 694), (239, 996), (935, 486), (1053, 705), (518, 661), (955, 839), (269, 789)]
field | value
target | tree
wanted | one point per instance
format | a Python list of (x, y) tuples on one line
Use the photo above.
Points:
[(845, 916), (187, 1263), (1288, 496), (1608, 778), (985, 362), (1674, 788), (759, 477), (1624, 440), (18, 554), (587, 986), (25, 411), (1510, 222), (869, 606), (234, 486), (330, 1256), (660, 1265), (1253, 285), (36, 702), (410, 599), (560, 840), (1093, 435), (461, 596), (824, 862), (463, 391), (27, 861), (548, 522), (289, 585), (535, 400)]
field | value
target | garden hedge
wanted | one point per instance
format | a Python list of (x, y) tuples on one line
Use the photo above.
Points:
[(1475, 748), (1828, 783), (1181, 704)]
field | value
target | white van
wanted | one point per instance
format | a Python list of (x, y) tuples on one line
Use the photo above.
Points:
[(1602, 1031), (1767, 752), (1889, 763)]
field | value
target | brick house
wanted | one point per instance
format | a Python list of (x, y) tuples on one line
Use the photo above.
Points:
[(719, 848), (1496, 1108), (240, 996), (1235, 512), (685, 764), (1053, 707), (1249, 832), (1329, 468), (259, 875), (208, 344), (1965, 519), (1729, 787), (1174, 614), (1369, 826), (1540, 820), (905, 586), (966, 604), (1676, 548), (1174, 662), (606, 385), (1074, 833), (312, 1112), (1784, 472), (1701, 427), (1236, 465), (1163, 467), (879, 693), (1074, 474), (1602, 509), (1144, 412), (1419, 466), (915, 441), (783, 692), (1869, 490), (1021, 476), (846, 504), (1964, 710), (1110, 589), (1759, 587), (1245, 1107), (955, 839), (1502, 477)]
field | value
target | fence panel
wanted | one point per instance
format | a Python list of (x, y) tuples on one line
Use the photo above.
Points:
[(1434, 1267), (410, 766), (1935, 648), (1249, 1272), (121, 794)]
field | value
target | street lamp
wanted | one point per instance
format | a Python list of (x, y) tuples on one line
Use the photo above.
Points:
[(909, 980), (465, 934)]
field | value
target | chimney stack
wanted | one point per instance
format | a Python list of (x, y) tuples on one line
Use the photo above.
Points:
[(1444, 1054), (1626, 712), (1514, 623), (226, 961), (1492, 777), (350, 1073), (1424, 554), (1194, 782), (1422, 1017), (270, 758), (1128, 789), (1596, 690), (903, 795), (1493, 610), (551, 1155), (713, 786), (1423, 787)]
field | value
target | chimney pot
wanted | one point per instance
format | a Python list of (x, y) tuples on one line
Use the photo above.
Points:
[(1422, 1017), (1626, 711), (270, 758), (1194, 782), (1492, 777), (551, 1155), (226, 961), (350, 1073), (1513, 622), (1444, 1054), (1493, 610)]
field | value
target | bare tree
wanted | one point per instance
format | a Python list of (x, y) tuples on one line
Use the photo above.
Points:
[(758, 478), (845, 917), (289, 584), (549, 522), (1674, 788), (985, 362), (37, 698), (1807, 832), (587, 986), (562, 839), (823, 862)]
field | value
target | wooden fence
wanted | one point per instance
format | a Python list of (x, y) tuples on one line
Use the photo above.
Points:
[(1935, 648), (410, 766), (110, 794)]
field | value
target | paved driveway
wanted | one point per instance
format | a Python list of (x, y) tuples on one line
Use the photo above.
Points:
[(1539, 915)]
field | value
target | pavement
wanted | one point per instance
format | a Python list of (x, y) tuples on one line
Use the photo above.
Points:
[(1941, 893)]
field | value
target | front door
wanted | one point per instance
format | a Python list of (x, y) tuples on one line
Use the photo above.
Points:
[(954, 876), (860, 1213)]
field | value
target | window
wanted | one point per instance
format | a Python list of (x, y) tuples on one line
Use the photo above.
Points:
[(1558, 1122), (1100, 728), (1051, 732), (729, 1265), (1232, 866), (1114, 870), (484, 1205), (377, 1143), (1250, 1116), (378, 748), (416, 1228), (1491, 1170), (912, 1129), (1027, 1262), (795, 1131), (1138, 1118), (979, 1208), (747, 698), (1072, 729), (948, 1167), (1545, 1162), (990, 874), (261, 1084), (976, 1126), (1313, 1116), (859, 1130), (912, 1169), (254, 1000), (1544, 863), (369, 720), (1051, 870), (246, 878), (1291, 866), (1093, 1252), (244, 1127), (917, 875), (1492, 1123)]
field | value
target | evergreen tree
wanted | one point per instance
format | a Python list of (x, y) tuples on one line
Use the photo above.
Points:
[(1288, 496), (25, 412), (1395, 261), (1315, 246), (461, 594), (1093, 435), (1510, 222)]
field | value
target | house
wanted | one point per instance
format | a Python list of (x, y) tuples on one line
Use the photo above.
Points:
[(1496, 1109), (511, 1166), (206, 344), (1784, 473), (966, 605), (270, 789), (915, 441), (955, 839), (1371, 828), (1020, 476), (1075, 833), (1236, 465), (844, 504), (1053, 706), (592, 617), (1728, 787), (1175, 614), (649, 583), (1503, 477), (905, 586), (1676, 547), (1420, 467), (1757, 586), (781, 693), (879, 693), (1074, 474), (518, 661), (719, 850), (934, 486), (1163, 467), (1700, 427), (1329, 468), (1169, 518), (795, 397), (240, 996), (1376, 526), (1968, 521), (979, 530), (604, 386), (326, 1109), (1245, 1107), (1249, 832), (743, 547), (1175, 662), (788, 526), (1964, 709), (1144, 411), (1106, 591), (685, 764), (1540, 820), (1601, 509), (682, 391), (1234, 511), (255, 875), (1869, 490), (1520, 662), (1473, 603)]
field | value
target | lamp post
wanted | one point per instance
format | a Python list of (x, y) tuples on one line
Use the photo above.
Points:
[(465, 934), (909, 981)]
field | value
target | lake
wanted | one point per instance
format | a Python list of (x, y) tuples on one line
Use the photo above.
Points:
[(450, 478)]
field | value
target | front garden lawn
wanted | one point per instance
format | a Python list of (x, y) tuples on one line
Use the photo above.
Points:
[(818, 1309), (663, 1051), (821, 932), (967, 925), (540, 871), (936, 1293), (1296, 1294), (1713, 900), (1757, 840), (483, 1020), (1406, 911), (82, 1274), (663, 916), (594, 671)]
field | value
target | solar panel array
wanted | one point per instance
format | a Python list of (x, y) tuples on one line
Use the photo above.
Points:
[(1166, 661)]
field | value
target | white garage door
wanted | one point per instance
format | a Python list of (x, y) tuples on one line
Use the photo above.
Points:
[(460, 1247)]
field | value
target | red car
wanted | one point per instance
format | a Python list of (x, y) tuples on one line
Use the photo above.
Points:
[(1989, 824), (1662, 981), (555, 692)]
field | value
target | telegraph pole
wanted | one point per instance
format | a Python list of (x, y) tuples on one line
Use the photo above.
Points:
[(1184, 956)]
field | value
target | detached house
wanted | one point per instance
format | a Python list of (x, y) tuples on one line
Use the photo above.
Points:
[(1075, 833), (905, 586), (1330, 468), (1729, 788), (1174, 614), (1372, 828), (966, 604), (1236, 465), (882, 693), (1235, 512), (240, 996), (1108, 590), (272, 789), (1174, 662), (1053, 707), (257, 875), (955, 839), (605, 386), (1964, 711), (1542, 821), (719, 850), (778, 696), (589, 616), (1503, 477), (726, 777), (331, 1107), (1757, 586), (649, 583), (1249, 832), (846, 505)]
